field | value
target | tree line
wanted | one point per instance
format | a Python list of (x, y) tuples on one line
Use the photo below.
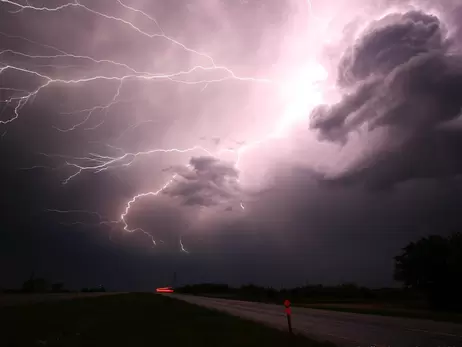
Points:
[(430, 270)]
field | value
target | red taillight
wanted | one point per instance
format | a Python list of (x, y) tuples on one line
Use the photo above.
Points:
[(164, 290)]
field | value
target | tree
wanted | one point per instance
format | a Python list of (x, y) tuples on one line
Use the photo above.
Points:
[(433, 265), (36, 285)]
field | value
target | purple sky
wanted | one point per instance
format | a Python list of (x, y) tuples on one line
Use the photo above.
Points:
[(239, 141)]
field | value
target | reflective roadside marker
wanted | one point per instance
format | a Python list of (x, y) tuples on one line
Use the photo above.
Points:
[(288, 313)]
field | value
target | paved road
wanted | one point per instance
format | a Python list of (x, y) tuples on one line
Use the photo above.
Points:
[(342, 328), (24, 299)]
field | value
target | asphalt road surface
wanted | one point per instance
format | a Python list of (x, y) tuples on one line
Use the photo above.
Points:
[(342, 328)]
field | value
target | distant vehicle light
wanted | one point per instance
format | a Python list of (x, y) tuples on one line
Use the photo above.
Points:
[(164, 290)]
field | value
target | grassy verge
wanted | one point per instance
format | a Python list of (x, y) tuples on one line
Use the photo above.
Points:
[(366, 307), (133, 320), (392, 312)]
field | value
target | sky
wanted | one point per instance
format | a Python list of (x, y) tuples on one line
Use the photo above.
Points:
[(279, 143)]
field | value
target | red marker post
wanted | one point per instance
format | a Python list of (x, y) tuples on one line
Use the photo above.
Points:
[(288, 313)]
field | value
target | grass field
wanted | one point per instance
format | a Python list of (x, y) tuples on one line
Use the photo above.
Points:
[(133, 320), (383, 310), (365, 307)]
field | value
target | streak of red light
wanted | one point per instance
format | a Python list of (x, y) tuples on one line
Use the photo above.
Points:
[(164, 290)]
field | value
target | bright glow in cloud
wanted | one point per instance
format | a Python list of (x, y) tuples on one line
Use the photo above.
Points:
[(301, 93)]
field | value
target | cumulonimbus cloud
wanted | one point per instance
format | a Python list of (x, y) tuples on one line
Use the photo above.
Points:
[(403, 75), (206, 181)]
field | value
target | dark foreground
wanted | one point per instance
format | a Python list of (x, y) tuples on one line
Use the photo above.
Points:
[(133, 320), (27, 299), (342, 328)]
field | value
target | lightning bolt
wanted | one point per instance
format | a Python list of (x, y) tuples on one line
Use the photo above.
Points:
[(99, 163), (102, 220), (134, 74), (182, 246), (96, 162)]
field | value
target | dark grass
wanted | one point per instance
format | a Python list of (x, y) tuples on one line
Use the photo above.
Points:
[(403, 313), (397, 311), (133, 320)]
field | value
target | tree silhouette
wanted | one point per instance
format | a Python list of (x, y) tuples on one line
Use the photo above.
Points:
[(35, 285), (433, 265)]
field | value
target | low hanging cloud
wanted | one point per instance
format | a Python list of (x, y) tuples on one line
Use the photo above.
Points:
[(403, 77), (206, 181)]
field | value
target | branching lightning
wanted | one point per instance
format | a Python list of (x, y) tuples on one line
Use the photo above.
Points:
[(18, 98)]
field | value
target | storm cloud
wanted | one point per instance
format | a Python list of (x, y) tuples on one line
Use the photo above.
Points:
[(404, 78), (390, 42), (309, 211), (206, 181)]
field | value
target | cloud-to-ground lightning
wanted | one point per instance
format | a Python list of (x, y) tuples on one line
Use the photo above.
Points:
[(305, 87), (182, 246)]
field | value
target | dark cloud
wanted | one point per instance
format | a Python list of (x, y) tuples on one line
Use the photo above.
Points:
[(431, 155), (391, 42), (333, 121), (407, 83), (206, 181)]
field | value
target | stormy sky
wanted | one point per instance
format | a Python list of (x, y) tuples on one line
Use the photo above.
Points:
[(273, 142)]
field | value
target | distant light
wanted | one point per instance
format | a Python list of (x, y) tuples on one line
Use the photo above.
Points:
[(164, 290)]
